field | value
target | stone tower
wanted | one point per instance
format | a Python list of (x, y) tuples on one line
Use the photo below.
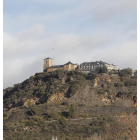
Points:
[(48, 62)]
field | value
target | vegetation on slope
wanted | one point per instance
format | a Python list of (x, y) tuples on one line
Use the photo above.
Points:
[(27, 110)]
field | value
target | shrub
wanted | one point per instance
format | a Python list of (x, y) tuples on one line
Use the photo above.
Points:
[(29, 104), (113, 72), (82, 104), (66, 103), (22, 101), (92, 75), (34, 110), (39, 120), (31, 122), (54, 115), (101, 70), (125, 72), (118, 84), (72, 111), (131, 82), (5, 118), (62, 121), (101, 91), (122, 94)]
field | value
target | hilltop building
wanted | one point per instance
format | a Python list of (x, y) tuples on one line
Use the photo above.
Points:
[(85, 67), (49, 67), (91, 66)]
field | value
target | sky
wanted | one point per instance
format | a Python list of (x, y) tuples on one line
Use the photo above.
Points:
[(77, 31)]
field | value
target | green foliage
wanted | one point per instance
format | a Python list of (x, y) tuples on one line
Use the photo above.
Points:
[(38, 120), (92, 75), (82, 104), (118, 84), (122, 94), (66, 103), (53, 115), (31, 122), (101, 70), (101, 91), (62, 121), (72, 111), (131, 82), (125, 72), (29, 104), (112, 72), (22, 101), (34, 110)]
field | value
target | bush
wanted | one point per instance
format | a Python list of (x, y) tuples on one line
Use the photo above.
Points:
[(119, 84), (82, 104), (125, 72), (113, 72), (101, 70), (34, 110), (39, 120), (66, 103), (62, 121), (22, 101), (101, 91), (72, 111), (53, 115), (31, 122), (131, 82), (92, 75), (122, 94)]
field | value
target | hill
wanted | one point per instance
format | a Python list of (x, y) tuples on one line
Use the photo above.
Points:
[(71, 105)]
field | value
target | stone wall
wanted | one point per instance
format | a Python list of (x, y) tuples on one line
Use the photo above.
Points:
[(47, 63)]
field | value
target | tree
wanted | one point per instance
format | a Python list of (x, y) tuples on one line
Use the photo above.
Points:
[(125, 72), (101, 70), (92, 75), (72, 111)]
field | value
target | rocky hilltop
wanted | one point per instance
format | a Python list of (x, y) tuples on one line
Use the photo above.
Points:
[(42, 105)]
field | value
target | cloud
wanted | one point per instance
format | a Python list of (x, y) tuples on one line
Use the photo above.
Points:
[(34, 32), (82, 30), (106, 9), (25, 51)]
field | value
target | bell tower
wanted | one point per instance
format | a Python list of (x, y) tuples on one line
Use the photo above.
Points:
[(48, 62)]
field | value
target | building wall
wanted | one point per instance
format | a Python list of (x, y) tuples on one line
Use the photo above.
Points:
[(92, 66), (47, 63), (65, 67), (70, 67), (53, 69)]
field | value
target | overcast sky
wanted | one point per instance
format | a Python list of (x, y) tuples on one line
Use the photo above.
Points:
[(78, 30)]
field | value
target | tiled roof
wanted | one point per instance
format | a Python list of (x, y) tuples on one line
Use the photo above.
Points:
[(68, 63), (56, 66), (48, 58)]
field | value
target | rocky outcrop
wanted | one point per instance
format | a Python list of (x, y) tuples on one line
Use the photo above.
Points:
[(33, 101), (57, 97)]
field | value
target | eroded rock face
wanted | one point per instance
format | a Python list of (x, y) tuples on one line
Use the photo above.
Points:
[(95, 83), (33, 101), (57, 97)]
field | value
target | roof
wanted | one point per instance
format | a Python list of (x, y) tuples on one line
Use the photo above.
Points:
[(48, 58), (68, 63), (56, 66), (96, 62)]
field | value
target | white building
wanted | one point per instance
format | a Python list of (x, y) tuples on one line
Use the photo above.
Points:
[(91, 66)]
